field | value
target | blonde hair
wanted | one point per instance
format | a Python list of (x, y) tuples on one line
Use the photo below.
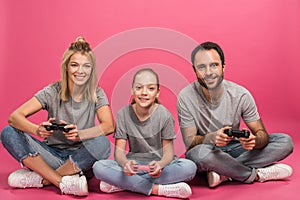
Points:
[(83, 47), (156, 77)]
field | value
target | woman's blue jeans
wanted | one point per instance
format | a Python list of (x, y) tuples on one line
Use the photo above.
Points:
[(21, 145)]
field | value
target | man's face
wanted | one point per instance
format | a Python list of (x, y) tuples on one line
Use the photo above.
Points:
[(208, 69)]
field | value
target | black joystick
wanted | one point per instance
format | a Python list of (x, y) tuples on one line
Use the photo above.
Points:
[(237, 133), (57, 126)]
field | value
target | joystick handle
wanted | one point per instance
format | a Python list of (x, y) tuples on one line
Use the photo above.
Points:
[(137, 167), (237, 133)]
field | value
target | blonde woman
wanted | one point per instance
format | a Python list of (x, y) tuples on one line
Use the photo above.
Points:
[(70, 141)]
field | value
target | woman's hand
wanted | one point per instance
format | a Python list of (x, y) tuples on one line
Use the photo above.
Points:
[(41, 130), (73, 133)]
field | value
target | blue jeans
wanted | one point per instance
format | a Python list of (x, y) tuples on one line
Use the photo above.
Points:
[(21, 145), (237, 163), (111, 172)]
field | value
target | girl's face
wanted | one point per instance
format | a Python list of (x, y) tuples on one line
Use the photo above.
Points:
[(79, 69), (145, 89)]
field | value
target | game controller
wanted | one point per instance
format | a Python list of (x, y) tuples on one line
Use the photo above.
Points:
[(237, 133), (57, 126), (148, 168)]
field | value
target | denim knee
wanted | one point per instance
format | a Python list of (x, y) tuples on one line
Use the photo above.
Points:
[(6, 134), (286, 142)]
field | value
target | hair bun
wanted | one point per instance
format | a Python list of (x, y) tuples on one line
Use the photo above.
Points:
[(80, 39), (80, 45)]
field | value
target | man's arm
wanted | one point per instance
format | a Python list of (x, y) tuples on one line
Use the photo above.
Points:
[(191, 138), (258, 129)]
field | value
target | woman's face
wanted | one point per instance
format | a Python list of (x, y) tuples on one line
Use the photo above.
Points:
[(145, 89), (79, 69)]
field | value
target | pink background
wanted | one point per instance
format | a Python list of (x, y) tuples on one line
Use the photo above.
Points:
[(260, 38)]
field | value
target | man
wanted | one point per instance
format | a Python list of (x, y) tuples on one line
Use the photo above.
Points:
[(209, 106)]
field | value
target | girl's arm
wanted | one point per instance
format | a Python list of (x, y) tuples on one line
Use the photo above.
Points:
[(120, 157)]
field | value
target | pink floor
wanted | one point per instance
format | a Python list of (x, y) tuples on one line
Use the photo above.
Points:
[(285, 189)]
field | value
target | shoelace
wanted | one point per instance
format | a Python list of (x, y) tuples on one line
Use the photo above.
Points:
[(177, 190), (268, 174), (30, 180), (68, 186)]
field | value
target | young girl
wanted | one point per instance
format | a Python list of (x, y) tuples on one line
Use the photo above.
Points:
[(149, 129), (72, 142)]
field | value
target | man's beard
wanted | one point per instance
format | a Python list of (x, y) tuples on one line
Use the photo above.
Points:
[(219, 81)]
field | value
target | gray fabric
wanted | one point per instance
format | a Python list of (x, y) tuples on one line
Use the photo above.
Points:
[(194, 110), (81, 114), (145, 138)]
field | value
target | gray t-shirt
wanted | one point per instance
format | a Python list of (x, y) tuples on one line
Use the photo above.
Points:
[(145, 138), (194, 110), (82, 114)]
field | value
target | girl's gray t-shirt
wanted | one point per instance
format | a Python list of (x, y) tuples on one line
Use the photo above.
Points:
[(145, 138), (194, 110), (82, 114)]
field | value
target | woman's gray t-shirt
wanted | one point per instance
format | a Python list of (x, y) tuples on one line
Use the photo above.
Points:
[(145, 138), (82, 114)]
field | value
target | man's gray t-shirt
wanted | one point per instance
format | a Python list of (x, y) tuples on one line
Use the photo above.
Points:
[(194, 110), (82, 114), (145, 138)]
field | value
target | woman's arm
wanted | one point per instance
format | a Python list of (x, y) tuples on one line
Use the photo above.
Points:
[(18, 118), (105, 127)]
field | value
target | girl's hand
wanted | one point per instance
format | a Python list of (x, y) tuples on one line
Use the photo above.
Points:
[(127, 168), (157, 169)]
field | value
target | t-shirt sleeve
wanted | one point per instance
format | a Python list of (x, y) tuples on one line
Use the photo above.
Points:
[(46, 95), (120, 130), (185, 117), (102, 99), (249, 108), (168, 131)]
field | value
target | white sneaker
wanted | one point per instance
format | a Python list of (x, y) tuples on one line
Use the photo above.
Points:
[(108, 188), (214, 179), (177, 190), (24, 178), (74, 184), (274, 172)]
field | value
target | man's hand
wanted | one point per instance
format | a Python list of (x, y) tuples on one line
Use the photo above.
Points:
[(248, 143), (222, 139)]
